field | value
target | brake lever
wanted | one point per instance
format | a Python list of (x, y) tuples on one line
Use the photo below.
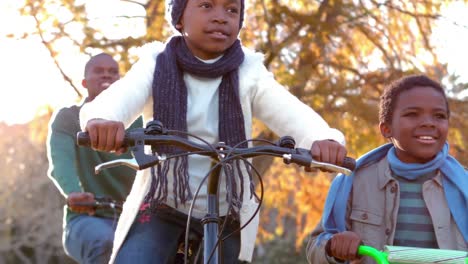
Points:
[(302, 158), (139, 161), (331, 167), (316, 164), (132, 163)]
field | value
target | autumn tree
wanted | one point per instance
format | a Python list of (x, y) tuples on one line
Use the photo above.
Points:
[(335, 55), (30, 208)]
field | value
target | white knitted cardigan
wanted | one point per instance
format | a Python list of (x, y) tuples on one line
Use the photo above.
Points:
[(261, 96)]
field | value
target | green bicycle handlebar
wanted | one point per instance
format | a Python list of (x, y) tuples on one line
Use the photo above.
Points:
[(379, 256), (397, 254)]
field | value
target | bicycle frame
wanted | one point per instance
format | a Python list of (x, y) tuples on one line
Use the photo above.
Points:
[(398, 255), (156, 134), (211, 220)]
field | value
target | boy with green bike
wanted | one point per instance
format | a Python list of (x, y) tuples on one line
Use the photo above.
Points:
[(409, 192)]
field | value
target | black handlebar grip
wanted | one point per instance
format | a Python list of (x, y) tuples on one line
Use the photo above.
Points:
[(349, 163), (82, 139)]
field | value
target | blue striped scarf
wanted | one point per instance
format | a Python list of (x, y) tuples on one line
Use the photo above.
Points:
[(455, 185)]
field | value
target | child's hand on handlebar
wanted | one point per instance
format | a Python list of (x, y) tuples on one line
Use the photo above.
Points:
[(328, 151), (106, 135), (344, 246), (76, 198)]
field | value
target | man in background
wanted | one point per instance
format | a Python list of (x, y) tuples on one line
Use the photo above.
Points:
[(88, 232)]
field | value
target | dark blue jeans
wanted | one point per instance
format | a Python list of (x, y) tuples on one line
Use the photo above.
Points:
[(157, 241), (89, 239)]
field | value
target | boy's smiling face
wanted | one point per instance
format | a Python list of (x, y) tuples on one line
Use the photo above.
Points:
[(419, 125), (210, 27)]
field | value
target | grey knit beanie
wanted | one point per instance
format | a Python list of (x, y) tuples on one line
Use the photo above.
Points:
[(176, 9)]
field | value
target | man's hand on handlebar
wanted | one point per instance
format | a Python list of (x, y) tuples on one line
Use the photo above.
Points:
[(106, 135), (328, 151), (76, 198)]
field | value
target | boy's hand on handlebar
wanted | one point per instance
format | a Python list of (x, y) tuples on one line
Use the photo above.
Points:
[(344, 246), (106, 135), (328, 151), (76, 198)]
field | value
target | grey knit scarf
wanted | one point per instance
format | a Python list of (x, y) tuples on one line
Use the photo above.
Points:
[(170, 107)]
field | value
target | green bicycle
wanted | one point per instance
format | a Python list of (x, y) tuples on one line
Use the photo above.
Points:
[(413, 255)]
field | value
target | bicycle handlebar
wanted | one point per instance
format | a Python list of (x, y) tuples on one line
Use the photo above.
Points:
[(398, 254), (379, 256), (156, 134), (100, 203)]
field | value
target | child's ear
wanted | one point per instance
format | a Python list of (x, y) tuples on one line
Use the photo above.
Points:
[(385, 130), (179, 26)]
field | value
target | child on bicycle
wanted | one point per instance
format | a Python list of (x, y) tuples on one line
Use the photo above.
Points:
[(206, 83), (409, 192)]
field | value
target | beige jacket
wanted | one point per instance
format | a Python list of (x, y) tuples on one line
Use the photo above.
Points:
[(373, 209)]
